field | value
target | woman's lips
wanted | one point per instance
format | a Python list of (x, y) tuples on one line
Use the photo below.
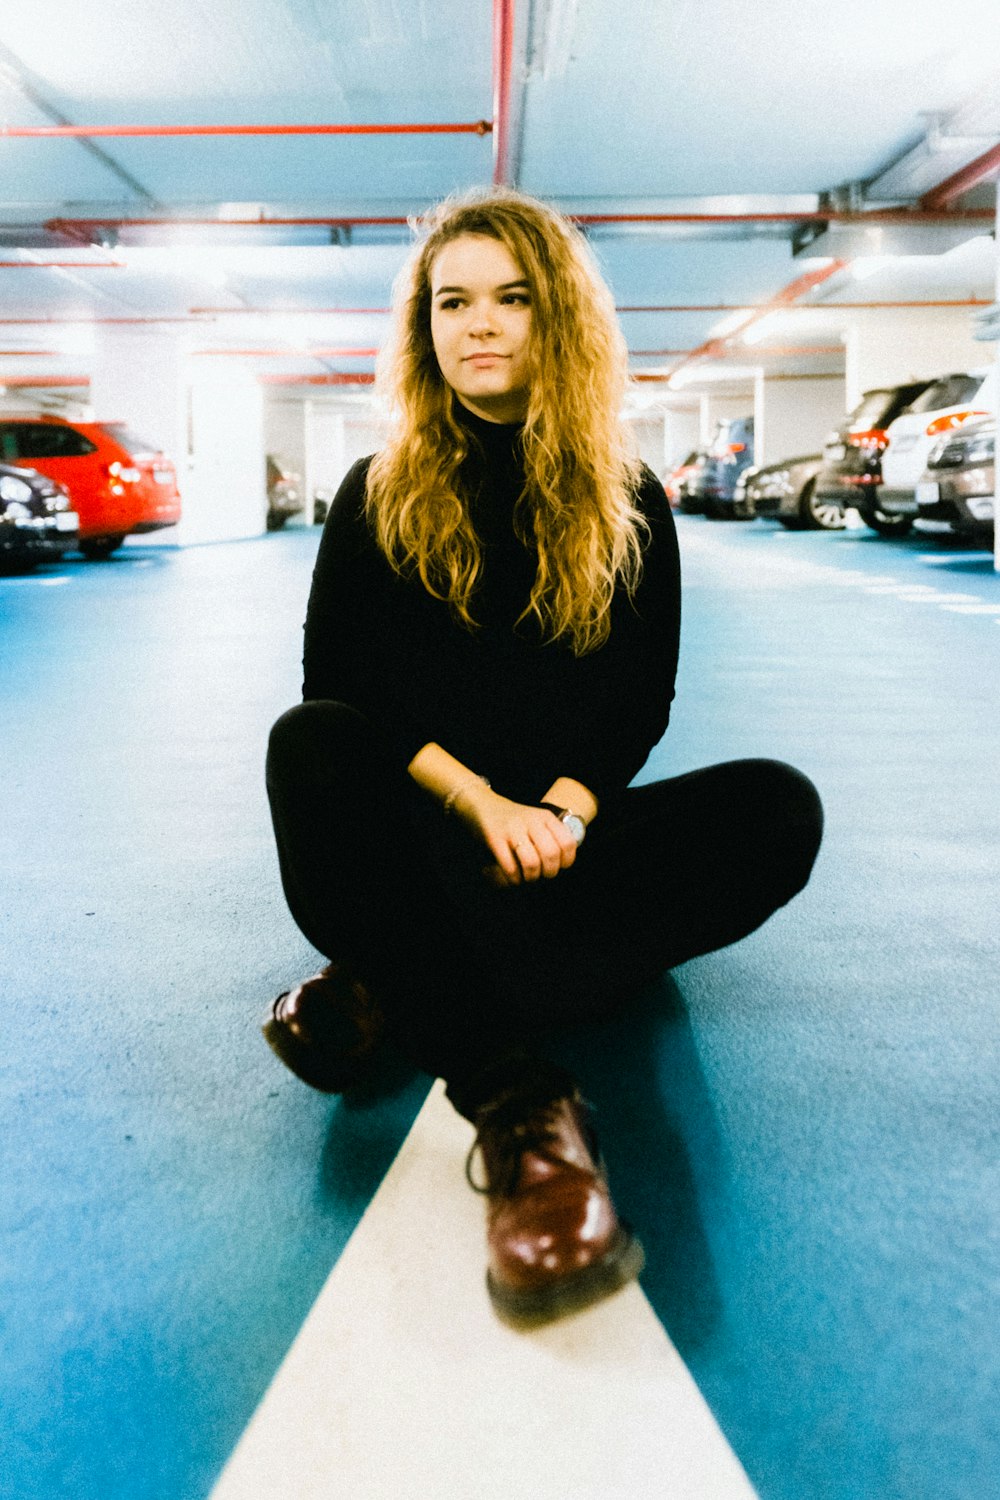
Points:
[(483, 359)]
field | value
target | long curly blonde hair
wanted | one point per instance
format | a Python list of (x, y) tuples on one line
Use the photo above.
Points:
[(577, 506)]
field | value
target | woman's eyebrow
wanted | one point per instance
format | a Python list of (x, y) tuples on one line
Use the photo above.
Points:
[(505, 286)]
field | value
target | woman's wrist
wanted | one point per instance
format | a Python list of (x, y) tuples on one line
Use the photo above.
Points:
[(463, 791), (574, 797)]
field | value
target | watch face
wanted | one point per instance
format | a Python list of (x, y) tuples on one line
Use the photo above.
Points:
[(576, 826)]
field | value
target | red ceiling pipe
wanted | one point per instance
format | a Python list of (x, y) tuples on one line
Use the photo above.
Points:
[(503, 55), (960, 182), (335, 378), (475, 127), (290, 353), (284, 312), (788, 294), (77, 227), (20, 381), (819, 215), (713, 307), (59, 265)]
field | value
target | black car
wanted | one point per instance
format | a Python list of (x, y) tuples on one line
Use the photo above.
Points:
[(37, 523), (787, 491), (852, 455), (957, 489)]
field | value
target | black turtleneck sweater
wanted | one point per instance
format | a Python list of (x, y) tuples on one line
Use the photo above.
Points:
[(507, 704)]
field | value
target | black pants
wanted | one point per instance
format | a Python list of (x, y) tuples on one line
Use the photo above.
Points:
[(469, 975)]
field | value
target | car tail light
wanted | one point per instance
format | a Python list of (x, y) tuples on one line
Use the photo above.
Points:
[(945, 424), (126, 473), (873, 437)]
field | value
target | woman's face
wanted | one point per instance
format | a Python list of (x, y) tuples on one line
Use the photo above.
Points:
[(481, 326)]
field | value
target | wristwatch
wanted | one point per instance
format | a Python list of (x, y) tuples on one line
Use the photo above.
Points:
[(572, 821)]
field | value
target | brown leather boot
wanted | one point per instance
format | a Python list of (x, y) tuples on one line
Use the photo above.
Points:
[(327, 1030), (555, 1242)]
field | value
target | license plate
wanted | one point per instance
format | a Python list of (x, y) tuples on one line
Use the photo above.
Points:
[(928, 492), (835, 453), (904, 443), (67, 520), (163, 476)]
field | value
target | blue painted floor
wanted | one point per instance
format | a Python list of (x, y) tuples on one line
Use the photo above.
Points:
[(804, 1126)]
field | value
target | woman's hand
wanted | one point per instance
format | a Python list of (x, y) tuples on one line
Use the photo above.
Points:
[(527, 843)]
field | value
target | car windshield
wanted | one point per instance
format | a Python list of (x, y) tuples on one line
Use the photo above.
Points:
[(129, 440), (952, 390)]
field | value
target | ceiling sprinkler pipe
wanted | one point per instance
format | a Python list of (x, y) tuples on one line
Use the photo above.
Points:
[(963, 180), (474, 127), (503, 54)]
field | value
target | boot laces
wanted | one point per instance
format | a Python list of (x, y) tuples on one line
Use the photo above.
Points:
[(517, 1126)]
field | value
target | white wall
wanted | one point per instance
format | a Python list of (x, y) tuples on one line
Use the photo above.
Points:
[(890, 346), (285, 431), (798, 414)]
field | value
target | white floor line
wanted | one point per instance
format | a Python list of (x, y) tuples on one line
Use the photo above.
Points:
[(402, 1385)]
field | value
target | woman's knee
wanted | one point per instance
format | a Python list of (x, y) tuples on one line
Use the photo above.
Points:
[(314, 737), (790, 815)]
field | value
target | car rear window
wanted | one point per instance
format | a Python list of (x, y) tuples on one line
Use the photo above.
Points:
[(42, 440), (871, 409), (129, 440), (952, 390)]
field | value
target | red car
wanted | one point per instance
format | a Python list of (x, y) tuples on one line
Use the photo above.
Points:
[(120, 484)]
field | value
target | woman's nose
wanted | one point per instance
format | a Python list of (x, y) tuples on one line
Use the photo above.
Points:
[(483, 320)]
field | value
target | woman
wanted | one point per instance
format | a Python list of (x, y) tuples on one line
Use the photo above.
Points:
[(490, 651)]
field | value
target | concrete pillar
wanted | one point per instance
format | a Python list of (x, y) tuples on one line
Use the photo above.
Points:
[(799, 412), (225, 495), (140, 378), (206, 415), (681, 433)]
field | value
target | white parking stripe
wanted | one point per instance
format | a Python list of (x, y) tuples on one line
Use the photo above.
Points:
[(402, 1385)]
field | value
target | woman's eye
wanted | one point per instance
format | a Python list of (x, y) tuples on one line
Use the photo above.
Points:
[(448, 304), (521, 299)]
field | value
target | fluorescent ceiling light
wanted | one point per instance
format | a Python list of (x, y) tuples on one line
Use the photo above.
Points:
[(870, 265), (695, 374), (729, 323)]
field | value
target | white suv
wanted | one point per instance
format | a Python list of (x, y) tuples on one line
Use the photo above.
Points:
[(944, 405)]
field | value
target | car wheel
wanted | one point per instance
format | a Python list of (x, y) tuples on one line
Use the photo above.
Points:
[(275, 520), (884, 523), (819, 515), (10, 567), (97, 548)]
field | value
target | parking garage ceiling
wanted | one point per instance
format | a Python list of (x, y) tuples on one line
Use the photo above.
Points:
[(204, 168)]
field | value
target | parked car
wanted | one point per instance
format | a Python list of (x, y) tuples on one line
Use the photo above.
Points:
[(787, 491), (37, 521), (956, 491), (852, 455), (120, 484), (674, 478), (285, 496), (688, 486), (946, 404), (729, 453)]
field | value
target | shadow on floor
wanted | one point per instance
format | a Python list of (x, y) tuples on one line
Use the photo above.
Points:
[(661, 1143)]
